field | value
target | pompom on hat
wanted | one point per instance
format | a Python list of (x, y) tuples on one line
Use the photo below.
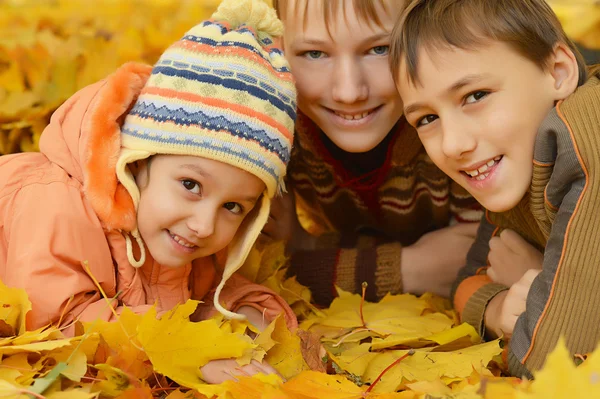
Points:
[(223, 92)]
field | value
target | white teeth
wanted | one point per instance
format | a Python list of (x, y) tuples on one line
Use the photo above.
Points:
[(479, 173), (181, 241), (353, 117)]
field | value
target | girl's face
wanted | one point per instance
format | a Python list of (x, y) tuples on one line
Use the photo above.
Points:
[(343, 78), (192, 207)]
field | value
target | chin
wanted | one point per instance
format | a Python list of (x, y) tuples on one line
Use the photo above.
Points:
[(351, 145), (500, 205)]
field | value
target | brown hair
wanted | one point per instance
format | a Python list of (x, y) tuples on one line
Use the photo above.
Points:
[(365, 9), (530, 27)]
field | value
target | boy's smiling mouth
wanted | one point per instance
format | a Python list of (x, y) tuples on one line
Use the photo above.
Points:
[(354, 116), (482, 170)]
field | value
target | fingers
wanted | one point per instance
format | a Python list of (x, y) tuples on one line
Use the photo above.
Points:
[(514, 241), (491, 273), (256, 367), (529, 276), (467, 229)]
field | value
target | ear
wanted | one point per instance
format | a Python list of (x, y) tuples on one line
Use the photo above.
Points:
[(140, 171), (564, 70)]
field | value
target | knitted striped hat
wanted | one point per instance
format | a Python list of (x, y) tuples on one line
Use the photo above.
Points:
[(223, 92)]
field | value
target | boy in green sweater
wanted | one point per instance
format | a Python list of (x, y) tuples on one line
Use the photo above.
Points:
[(504, 105)]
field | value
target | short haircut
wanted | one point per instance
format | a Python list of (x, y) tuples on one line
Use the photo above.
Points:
[(530, 27), (365, 9)]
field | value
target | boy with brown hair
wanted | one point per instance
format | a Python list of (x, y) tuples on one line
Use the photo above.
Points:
[(503, 104)]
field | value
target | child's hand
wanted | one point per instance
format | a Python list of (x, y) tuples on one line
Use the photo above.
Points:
[(432, 263), (218, 371), (283, 221), (510, 257), (503, 311)]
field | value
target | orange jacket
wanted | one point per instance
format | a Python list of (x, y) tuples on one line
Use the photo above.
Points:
[(64, 206)]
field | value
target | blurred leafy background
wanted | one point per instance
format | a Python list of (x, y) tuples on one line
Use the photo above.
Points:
[(49, 49)]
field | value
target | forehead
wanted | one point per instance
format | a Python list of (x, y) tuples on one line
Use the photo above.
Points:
[(315, 16), (442, 65)]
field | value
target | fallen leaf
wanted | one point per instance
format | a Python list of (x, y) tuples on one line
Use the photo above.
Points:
[(178, 347), (14, 305)]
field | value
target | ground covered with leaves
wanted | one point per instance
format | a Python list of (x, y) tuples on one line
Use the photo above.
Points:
[(402, 347)]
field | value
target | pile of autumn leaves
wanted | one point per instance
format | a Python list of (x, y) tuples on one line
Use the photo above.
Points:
[(401, 347)]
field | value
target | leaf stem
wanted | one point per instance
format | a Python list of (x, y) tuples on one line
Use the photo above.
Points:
[(362, 302), (409, 353)]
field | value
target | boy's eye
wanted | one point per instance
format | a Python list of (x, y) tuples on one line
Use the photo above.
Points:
[(475, 96), (314, 54), (380, 50), (426, 120), (234, 207), (192, 186)]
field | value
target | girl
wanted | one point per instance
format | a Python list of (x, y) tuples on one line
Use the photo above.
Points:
[(155, 177)]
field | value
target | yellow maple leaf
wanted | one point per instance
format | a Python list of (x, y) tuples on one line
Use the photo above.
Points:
[(560, 378), (14, 305), (314, 385), (423, 365), (286, 355), (259, 386), (178, 347), (47, 333), (17, 369), (118, 334), (43, 346), (395, 320), (10, 391)]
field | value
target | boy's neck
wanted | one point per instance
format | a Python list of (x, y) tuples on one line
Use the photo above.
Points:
[(362, 162)]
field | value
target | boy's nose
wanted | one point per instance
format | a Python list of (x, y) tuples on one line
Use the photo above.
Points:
[(349, 82), (457, 141)]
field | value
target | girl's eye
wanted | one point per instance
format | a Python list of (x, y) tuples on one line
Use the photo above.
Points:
[(314, 54), (234, 207), (426, 120), (380, 50), (192, 186), (475, 96)]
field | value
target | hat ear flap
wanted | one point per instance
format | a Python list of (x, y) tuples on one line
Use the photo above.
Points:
[(240, 247)]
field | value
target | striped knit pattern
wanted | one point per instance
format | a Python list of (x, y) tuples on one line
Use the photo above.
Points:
[(406, 197), (219, 93)]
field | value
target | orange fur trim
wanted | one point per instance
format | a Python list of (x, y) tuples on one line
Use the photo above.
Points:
[(109, 198)]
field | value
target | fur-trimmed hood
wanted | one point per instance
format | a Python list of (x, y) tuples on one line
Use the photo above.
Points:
[(83, 138)]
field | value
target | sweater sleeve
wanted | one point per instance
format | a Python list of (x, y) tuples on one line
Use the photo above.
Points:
[(473, 289), (563, 298), (463, 207), (239, 291), (347, 261)]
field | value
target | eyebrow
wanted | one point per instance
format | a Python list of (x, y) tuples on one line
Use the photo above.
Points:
[(318, 42), (453, 88), (197, 169)]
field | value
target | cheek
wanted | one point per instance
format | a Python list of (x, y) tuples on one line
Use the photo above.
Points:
[(381, 82), (433, 147), (311, 83), (227, 230)]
